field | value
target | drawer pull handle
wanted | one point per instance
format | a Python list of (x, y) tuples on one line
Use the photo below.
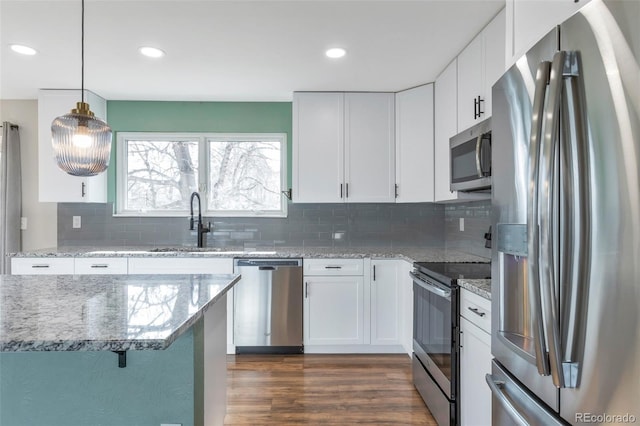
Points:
[(40, 266), (476, 311), (99, 265), (333, 267)]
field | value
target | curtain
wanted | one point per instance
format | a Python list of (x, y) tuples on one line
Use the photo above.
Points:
[(10, 195)]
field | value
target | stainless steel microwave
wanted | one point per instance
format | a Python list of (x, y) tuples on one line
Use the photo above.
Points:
[(470, 157)]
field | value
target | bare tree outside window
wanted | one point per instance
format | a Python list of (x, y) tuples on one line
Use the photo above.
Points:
[(244, 175), (161, 175)]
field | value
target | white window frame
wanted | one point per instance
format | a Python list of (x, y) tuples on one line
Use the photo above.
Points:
[(202, 140)]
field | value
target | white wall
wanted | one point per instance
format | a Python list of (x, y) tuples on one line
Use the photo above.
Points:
[(42, 218)]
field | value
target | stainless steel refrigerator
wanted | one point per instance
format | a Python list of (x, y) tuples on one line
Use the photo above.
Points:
[(566, 212)]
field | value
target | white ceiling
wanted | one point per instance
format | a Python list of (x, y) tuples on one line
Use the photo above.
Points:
[(234, 50)]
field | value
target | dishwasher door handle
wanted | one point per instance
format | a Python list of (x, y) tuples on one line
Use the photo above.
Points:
[(266, 268)]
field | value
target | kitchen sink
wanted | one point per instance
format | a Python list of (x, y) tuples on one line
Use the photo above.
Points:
[(185, 249)]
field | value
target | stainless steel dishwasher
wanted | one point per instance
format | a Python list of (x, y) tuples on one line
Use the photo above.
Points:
[(267, 306)]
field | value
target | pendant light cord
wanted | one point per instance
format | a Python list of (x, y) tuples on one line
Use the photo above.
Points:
[(82, 50)]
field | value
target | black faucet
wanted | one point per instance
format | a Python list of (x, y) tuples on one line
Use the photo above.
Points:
[(201, 228)]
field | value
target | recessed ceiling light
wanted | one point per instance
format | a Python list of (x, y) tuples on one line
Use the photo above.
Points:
[(151, 52), (336, 52), (23, 50)]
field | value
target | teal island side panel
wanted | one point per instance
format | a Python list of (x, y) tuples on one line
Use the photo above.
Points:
[(88, 388)]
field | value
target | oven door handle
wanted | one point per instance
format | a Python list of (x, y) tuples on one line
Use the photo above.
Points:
[(430, 287)]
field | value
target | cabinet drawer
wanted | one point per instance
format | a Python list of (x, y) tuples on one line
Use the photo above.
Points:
[(476, 309), (333, 266), (100, 265), (180, 265), (42, 266)]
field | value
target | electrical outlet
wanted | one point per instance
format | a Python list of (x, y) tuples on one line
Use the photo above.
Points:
[(461, 224), (23, 223), (77, 222)]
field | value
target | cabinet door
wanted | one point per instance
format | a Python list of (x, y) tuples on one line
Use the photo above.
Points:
[(529, 20), (475, 363), (41, 265), (369, 147), (334, 310), (470, 83), (414, 145), (446, 126), (180, 265), (100, 265), (318, 140), (494, 56), (406, 306), (385, 302), (54, 185)]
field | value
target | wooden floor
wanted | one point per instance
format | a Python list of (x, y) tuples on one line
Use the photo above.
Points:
[(323, 389)]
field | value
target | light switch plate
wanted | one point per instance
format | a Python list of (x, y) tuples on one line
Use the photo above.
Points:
[(77, 222), (23, 223)]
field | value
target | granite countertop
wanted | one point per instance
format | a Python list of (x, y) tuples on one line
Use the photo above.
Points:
[(410, 254), (479, 287), (103, 312)]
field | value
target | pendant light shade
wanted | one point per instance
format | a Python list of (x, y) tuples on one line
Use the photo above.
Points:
[(81, 142)]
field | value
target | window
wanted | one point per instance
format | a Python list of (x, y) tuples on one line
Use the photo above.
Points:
[(236, 174)]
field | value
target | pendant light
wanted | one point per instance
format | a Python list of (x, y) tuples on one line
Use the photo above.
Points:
[(81, 142)]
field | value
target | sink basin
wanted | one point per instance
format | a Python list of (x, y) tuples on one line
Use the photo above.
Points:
[(189, 249)]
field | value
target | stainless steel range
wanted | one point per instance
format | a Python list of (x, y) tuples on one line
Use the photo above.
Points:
[(435, 333)]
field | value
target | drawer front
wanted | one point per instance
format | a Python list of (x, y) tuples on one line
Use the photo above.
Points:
[(41, 266), (100, 265), (333, 267), (180, 265), (476, 309)]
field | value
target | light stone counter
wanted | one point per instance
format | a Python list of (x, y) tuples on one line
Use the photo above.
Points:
[(103, 312), (410, 254), (479, 287)]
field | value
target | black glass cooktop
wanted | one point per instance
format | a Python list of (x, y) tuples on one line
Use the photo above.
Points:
[(450, 271)]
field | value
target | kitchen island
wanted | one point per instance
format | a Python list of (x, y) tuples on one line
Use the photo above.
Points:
[(58, 334)]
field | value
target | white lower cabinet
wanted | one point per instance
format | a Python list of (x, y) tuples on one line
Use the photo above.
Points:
[(334, 310), (100, 265), (354, 306), (41, 265), (385, 302), (475, 360)]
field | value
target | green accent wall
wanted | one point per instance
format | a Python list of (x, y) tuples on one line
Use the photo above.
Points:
[(222, 117)]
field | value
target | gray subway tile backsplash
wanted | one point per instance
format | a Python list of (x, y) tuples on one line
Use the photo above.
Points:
[(307, 225)]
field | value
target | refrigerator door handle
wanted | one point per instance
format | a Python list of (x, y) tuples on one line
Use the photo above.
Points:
[(497, 389), (547, 229), (533, 245), (577, 220)]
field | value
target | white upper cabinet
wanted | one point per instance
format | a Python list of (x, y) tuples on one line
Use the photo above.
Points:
[(318, 147), (446, 125), (470, 87), (494, 56), (529, 20), (369, 147), (480, 64), (414, 145), (343, 147), (55, 185)]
